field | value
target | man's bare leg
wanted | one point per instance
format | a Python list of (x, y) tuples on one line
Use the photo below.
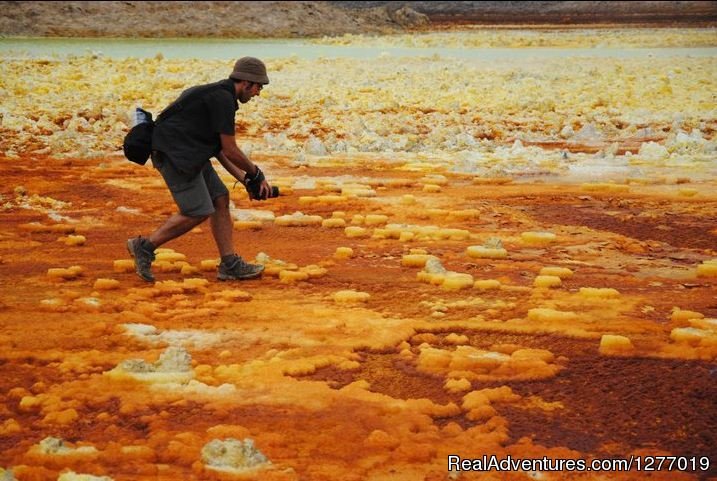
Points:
[(232, 266), (142, 248), (222, 226), (174, 227)]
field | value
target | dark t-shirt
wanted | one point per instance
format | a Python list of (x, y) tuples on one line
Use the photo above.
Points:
[(190, 137)]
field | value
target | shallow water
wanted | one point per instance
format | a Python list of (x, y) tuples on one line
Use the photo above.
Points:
[(221, 49)]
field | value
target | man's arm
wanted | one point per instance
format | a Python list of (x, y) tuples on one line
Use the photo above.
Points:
[(237, 173), (236, 156), (234, 160)]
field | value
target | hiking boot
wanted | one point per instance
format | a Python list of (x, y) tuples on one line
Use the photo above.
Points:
[(143, 257), (237, 269)]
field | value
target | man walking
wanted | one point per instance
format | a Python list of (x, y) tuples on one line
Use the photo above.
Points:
[(197, 126)]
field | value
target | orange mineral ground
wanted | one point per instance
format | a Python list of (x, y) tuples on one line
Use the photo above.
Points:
[(544, 287)]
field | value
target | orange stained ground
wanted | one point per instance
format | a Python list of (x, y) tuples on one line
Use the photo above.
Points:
[(357, 391)]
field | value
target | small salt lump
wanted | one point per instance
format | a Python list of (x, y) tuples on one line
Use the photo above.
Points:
[(232, 455)]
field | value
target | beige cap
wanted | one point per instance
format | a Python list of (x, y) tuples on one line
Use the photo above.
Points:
[(251, 69)]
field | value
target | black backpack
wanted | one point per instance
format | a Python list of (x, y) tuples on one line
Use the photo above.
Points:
[(137, 145)]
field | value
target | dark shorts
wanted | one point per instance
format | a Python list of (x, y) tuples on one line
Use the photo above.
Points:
[(194, 195)]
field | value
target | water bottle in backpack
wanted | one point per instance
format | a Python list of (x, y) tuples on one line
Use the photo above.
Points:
[(140, 116)]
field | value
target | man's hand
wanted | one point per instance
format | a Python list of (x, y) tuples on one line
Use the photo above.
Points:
[(264, 190), (257, 186)]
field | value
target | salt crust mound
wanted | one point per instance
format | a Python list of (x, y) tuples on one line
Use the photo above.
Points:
[(6, 475), (298, 219), (233, 456), (73, 476), (174, 365), (56, 447), (150, 334)]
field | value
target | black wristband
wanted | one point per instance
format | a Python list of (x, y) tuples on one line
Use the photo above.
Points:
[(253, 184), (257, 177)]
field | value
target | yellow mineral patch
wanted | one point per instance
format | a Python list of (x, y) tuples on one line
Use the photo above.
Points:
[(106, 284), (298, 219), (375, 219), (314, 271), (234, 295), (61, 273), (538, 238), (356, 232), (333, 223), (684, 315), (707, 269), (561, 272), (408, 199), (457, 385), (208, 265), (456, 281), (123, 265), (350, 296), (357, 190), (547, 281), (487, 284), (480, 365), (690, 335), (605, 187), (248, 224), (454, 338), (415, 260), (293, 276), (478, 404), (169, 255), (613, 344), (343, 252), (486, 252), (548, 315), (599, 293), (74, 240)]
